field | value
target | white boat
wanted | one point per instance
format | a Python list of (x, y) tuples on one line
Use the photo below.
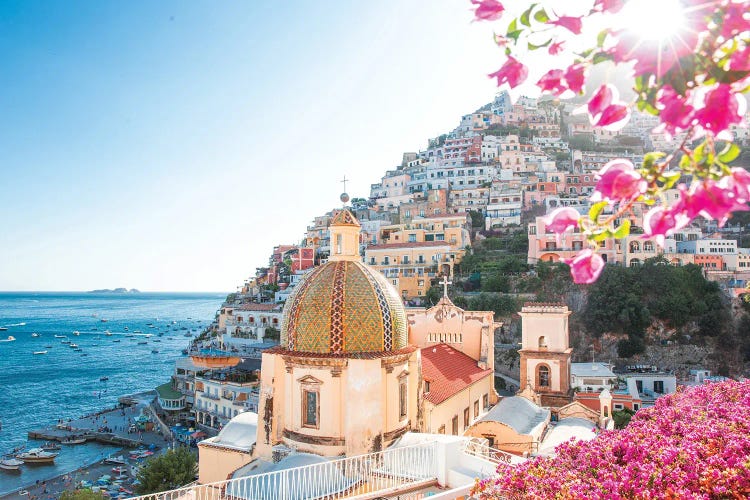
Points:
[(3, 328), (74, 346), (73, 440), (60, 336), (76, 333), (35, 335), (118, 460), (37, 456), (10, 338), (40, 352), (50, 445), (10, 464), (107, 333)]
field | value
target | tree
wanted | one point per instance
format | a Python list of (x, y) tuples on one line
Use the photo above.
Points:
[(171, 470), (477, 219), (622, 417), (84, 494)]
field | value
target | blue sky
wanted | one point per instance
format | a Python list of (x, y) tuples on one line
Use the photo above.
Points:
[(169, 145)]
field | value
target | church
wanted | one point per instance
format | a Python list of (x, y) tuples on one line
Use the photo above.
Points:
[(355, 370)]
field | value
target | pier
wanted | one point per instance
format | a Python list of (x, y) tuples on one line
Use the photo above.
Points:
[(99, 437)]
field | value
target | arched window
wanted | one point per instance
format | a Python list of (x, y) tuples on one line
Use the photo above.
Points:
[(543, 342), (543, 371), (648, 246), (635, 246)]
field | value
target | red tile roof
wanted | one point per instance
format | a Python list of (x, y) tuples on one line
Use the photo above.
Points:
[(414, 244), (448, 371)]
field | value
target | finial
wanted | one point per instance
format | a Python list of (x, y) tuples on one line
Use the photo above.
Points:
[(344, 196)]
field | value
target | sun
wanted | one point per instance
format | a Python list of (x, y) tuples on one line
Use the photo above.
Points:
[(652, 19)]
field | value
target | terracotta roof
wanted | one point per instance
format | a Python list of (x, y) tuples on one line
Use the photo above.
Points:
[(414, 244), (448, 371), (257, 307), (443, 216)]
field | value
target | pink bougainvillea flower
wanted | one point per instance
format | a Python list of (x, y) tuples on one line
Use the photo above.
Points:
[(618, 181), (738, 183), (572, 24), (575, 77), (551, 81), (562, 219), (735, 19), (661, 222), (608, 5), (488, 10), (722, 107), (585, 267), (606, 111), (651, 56), (676, 114), (556, 48), (740, 60), (513, 73), (712, 200)]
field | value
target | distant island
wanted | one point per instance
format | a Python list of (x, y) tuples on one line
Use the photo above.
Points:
[(116, 290)]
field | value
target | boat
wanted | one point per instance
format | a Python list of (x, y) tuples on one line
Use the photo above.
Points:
[(118, 340), (48, 347), (142, 343), (84, 354), (103, 320), (107, 333), (35, 335), (78, 350), (125, 328), (3, 328), (137, 331), (73, 440), (188, 334), (37, 456), (74, 346), (103, 379), (10, 338), (50, 446), (76, 333), (120, 469), (148, 335), (10, 464), (40, 352), (60, 337), (154, 351), (66, 341), (118, 460)]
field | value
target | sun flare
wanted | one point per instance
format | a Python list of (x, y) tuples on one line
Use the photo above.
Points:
[(652, 19)]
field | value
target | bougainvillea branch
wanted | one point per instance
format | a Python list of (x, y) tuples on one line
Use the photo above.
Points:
[(692, 79)]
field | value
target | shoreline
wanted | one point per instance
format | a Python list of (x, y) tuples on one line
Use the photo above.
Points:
[(130, 406)]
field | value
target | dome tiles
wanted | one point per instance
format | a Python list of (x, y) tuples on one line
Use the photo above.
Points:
[(344, 307)]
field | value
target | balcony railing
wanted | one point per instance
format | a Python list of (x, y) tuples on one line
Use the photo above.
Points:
[(390, 472)]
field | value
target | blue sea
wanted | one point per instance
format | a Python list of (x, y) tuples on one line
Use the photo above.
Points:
[(37, 390)]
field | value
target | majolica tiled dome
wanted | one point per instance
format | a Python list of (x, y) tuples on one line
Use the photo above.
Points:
[(344, 307)]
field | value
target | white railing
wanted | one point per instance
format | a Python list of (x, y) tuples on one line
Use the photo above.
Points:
[(386, 473), (477, 448)]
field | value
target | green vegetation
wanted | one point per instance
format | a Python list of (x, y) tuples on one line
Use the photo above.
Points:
[(272, 333), (622, 417), (628, 300), (169, 471)]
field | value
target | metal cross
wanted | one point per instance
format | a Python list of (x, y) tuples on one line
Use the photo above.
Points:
[(445, 284), (344, 181)]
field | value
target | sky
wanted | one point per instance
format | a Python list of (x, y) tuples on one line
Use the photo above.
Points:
[(168, 146)]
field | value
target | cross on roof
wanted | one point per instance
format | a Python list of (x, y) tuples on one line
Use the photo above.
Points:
[(445, 284), (344, 181)]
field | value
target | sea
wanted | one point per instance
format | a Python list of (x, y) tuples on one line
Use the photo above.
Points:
[(38, 389)]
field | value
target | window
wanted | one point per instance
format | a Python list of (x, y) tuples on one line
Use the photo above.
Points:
[(476, 408), (402, 399), (441, 430), (466, 418), (543, 376), (659, 386), (455, 425), (311, 408), (426, 386), (412, 238), (339, 242), (486, 401), (542, 342)]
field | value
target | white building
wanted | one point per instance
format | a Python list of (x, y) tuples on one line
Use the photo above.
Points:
[(591, 377)]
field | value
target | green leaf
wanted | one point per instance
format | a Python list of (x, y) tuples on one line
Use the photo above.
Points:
[(513, 26), (650, 158), (596, 210), (541, 16), (670, 178), (730, 152), (601, 57), (534, 47), (685, 162), (623, 230), (601, 37), (513, 35), (601, 235), (526, 14)]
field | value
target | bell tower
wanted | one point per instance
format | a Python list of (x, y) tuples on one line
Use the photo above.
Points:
[(546, 352)]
